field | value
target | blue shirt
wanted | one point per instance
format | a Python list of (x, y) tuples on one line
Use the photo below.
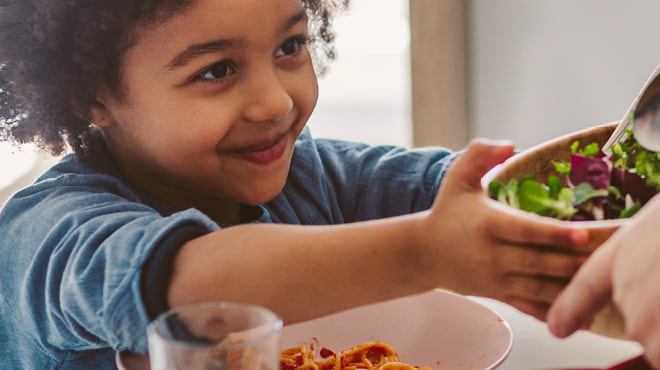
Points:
[(86, 256)]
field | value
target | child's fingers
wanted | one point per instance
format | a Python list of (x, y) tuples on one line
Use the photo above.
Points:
[(533, 288), (540, 262), (479, 156), (589, 291), (519, 227)]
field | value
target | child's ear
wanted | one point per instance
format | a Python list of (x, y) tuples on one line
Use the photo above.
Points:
[(100, 114), (95, 112)]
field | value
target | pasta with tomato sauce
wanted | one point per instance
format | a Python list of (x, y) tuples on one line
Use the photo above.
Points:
[(370, 356)]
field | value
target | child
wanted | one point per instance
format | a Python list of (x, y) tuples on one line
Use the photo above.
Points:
[(192, 173)]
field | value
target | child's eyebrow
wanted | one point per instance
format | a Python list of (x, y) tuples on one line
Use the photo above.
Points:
[(295, 19), (196, 50)]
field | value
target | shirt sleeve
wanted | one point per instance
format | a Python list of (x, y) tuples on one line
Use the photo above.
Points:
[(157, 269), (335, 181), (85, 247)]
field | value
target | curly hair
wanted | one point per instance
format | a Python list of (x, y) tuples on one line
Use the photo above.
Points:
[(56, 54)]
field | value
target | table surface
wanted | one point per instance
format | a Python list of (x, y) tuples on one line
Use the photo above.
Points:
[(535, 348)]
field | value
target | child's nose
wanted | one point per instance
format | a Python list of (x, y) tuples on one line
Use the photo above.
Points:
[(268, 98)]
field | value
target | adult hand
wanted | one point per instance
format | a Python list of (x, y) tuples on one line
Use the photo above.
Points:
[(478, 246), (625, 270)]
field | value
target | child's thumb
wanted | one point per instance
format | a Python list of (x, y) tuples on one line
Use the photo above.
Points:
[(480, 156)]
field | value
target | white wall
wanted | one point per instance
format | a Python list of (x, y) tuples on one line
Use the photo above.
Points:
[(366, 94), (538, 68), (542, 68)]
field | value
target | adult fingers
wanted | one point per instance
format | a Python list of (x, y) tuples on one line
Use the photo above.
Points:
[(643, 327), (640, 306), (589, 291), (652, 349)]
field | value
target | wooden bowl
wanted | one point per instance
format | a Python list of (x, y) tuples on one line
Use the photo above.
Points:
[(537, 161)]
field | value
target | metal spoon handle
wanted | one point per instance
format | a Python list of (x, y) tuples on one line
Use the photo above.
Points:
[(620, 133)]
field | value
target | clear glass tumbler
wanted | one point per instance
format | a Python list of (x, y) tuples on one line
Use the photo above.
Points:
[(215, 336)]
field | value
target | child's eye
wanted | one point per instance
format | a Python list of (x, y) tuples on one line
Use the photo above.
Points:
[(291, 46), (217, 71)]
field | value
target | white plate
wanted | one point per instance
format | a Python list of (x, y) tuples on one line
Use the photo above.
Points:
[(437, 329)]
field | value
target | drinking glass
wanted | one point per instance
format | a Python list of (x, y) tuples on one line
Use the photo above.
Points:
[(215, 336)]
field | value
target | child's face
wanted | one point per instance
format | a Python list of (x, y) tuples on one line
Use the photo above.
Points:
[(214, 100)]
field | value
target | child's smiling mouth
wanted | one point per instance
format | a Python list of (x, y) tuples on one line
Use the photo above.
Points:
[(264, 153)]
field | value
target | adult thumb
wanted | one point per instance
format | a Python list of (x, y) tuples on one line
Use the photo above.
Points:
[(480, 156), (589, 291)]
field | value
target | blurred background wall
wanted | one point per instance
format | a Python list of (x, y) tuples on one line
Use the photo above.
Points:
[(541, 68), (365, 95), (525, 70)]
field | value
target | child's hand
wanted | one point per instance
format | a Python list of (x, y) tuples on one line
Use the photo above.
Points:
[(480, 247)]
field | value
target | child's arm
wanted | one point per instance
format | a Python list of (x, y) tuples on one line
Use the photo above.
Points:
[(465, 242)]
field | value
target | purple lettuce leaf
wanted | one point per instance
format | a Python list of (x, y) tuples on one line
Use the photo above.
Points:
[(631, 183), (593, 170)]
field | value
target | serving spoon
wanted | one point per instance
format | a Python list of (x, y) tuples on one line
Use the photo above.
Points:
[(643, 118)]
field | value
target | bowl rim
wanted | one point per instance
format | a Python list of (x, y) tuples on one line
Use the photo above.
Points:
[(494, 171)]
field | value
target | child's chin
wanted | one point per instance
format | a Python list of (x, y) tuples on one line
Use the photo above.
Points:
[(262, 196)]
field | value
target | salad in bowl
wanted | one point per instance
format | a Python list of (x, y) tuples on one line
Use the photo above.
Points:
[(581, 182)]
